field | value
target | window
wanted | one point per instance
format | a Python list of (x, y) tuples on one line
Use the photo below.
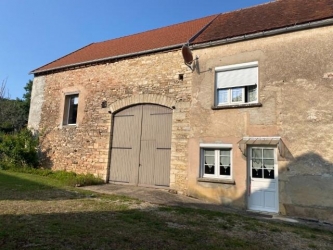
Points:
[(237, 84), (216, 161), (262, 163), (70, 112)]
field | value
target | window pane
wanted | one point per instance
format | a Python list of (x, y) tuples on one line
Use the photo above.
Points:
[(252, 93), (269, 174), (225, 160), (225, 152), (209, 165), (269, 164), (210, 152), (237, 95), (269, 153), (222, 96), (72, 112), (225, 170), (256, 153), (256, 163), (256, 173), (209, 161)]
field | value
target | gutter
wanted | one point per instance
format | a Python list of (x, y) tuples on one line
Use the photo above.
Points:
[(261, 34), (176, 46)]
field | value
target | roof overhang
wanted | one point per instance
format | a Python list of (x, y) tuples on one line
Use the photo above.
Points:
[(272, 32), (101, 60), (265, 141)]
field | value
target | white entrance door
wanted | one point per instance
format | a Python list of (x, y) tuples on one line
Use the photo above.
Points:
[(263, 179)]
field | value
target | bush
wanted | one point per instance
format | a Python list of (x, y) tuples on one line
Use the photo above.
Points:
[(18, 150)]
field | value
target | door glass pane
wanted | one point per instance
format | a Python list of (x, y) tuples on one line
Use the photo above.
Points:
[(269, 153), (237, 95), (256, 173), (269, 173), (256, 163), (269, 164), (256, 153)]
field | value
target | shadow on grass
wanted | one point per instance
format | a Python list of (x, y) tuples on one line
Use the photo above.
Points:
[(120, 228), (16, 186)]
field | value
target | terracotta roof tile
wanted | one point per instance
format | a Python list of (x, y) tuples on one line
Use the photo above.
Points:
[(154, 39), (264, 17), (269, 16)]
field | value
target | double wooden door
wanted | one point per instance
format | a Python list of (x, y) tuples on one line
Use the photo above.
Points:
[(141, 146)]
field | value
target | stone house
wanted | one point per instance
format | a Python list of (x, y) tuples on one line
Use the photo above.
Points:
[(250, 126)]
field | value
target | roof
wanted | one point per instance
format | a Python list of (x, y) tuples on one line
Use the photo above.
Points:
[(166, 37), (264, 17)]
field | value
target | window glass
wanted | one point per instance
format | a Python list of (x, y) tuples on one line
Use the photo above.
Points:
[(256, 153), (252, 93), (237, 95), (269, 153), (222, 96), (71, 108), (209, 161)]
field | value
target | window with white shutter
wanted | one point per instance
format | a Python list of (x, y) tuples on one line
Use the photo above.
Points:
[(237, 84)]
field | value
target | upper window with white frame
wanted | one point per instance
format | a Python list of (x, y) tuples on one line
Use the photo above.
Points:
[(71, 107), (216, 161), (237, 84)]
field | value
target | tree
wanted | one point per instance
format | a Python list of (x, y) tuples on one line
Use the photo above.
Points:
[(3, 89), (27, 98), (14, 113)]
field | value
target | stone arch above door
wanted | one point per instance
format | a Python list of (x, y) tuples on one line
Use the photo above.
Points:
[(140, 99)]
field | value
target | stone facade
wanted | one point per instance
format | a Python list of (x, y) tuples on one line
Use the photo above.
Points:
[(295, 92), (295, 83), (157, 78)]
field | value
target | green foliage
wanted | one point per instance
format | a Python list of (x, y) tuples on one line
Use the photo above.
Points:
[(67, 178), (14, 113), (27, 98), (18, 150)]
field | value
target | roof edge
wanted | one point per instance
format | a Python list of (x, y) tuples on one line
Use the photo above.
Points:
[(286, 29), (108, 58), (62, 57)]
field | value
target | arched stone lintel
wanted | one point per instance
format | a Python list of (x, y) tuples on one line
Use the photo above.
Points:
[(139, 99)]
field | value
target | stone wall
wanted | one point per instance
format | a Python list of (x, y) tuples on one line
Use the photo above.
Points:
[(84, 148), (295, 90)]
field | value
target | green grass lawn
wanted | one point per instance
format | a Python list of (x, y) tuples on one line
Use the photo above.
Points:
[(37, 212)]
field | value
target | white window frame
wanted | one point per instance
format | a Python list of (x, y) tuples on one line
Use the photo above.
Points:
[(67, 108), (216, 147), (230, 88)]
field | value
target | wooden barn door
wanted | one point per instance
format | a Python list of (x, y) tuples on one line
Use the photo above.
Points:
[(141, 146)]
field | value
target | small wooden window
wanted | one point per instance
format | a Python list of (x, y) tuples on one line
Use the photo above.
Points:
[(71, 107)]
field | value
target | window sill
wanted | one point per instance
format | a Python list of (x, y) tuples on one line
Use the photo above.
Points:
[(212, 180), (69, 126), (235, 106)]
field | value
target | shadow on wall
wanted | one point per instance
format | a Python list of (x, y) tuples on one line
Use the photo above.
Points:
[(44, 152), (306, 187)]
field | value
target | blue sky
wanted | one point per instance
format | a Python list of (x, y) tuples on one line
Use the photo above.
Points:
[(36, 32)]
